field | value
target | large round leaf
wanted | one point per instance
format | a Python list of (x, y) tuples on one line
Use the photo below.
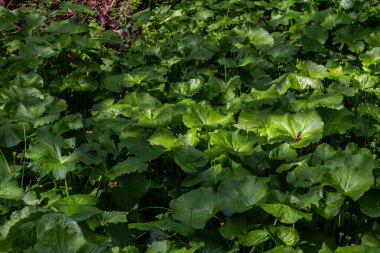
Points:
[(47, 157), (351, 171), (370, 204), (287, 235), (195, 208), (189, 158), (232, 142), (236, 196), (304, 128), (199, 116)]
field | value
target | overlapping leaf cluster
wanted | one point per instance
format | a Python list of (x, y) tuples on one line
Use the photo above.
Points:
[(226, 126)]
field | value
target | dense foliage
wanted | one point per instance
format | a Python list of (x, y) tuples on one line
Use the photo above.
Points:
[(226, 126)]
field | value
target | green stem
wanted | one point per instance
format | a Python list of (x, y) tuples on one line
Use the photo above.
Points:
[(66, 187), (275, 222), (24, 158), (154, 207), (5, 160), (100, 182)]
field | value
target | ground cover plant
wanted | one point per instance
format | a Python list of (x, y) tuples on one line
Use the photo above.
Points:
[(219, 126)]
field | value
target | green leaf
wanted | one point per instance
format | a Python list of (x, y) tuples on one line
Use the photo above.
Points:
[(52, 113), (232, 142), (337, 121), (288, 235), (285, 213), (203, 14), (322, 154), (369, 109), (238, 225), (55, 232), (317, 99), (148, 116), (198, 117), (195, 208), (9, 188), (7, 19), (68, 123), (259, 37), (305, 176), (371, 57), (132, 185), (104, 218), (370, 204), (32, 21), (237, 196), (47, 157), (351, 171), (187, 89), (306, 125), (79, 207), (365, 82), (347, 4), (253, 120), (9, 230), (132, 164), (142, 148), (254, 237), (141, 18), (66, 26), (372, 238), (283, 152), (299, 82), (164, 138), (10, 134), (189, 158), (79, 82), (190, 138), (357, 249), (331, 204), (283, 249), (352, 182)]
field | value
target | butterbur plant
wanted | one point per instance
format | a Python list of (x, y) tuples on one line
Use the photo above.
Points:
[(223, 126)]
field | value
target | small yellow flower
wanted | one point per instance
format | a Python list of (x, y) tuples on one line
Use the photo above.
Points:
[(112, 184), (89, 131)]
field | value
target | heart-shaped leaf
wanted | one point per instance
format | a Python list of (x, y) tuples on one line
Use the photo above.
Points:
[(195, 208), (189, 158), (304, 128), (237, 196)]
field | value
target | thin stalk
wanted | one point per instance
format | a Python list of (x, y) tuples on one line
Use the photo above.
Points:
[(66, 187), (5, 160), (100, 182), (24, 158), (154, 207), (275, 222)]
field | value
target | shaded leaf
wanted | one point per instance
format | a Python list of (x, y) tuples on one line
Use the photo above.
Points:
[(195, 208)]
